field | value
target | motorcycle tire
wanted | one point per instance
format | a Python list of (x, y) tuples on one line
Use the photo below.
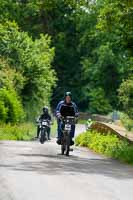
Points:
[(67, 146), (43, 137)]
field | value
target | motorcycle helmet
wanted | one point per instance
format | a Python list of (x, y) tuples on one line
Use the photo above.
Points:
[(45, 109), (68, 94)]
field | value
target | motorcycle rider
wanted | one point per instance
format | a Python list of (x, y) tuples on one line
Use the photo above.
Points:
[(44, 116), (66, 108)]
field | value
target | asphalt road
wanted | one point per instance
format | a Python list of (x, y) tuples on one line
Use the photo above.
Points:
[(31, 171)]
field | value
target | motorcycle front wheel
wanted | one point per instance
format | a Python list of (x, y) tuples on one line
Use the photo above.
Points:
[(67, 145), (42, 136)]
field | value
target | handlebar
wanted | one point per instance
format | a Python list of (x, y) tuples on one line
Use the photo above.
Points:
[(71, 119)]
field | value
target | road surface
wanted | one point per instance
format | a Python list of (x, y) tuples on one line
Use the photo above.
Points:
[(31, 171)]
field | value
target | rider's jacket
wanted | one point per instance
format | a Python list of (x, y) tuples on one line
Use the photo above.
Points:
[(65, 109)]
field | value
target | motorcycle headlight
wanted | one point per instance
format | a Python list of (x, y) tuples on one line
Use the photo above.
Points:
[(44, 123)]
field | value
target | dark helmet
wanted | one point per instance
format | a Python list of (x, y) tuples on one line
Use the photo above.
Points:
[(68, 94), (45, 109)]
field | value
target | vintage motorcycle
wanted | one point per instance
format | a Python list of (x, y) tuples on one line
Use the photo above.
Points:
[(66, 127), (44, 126)]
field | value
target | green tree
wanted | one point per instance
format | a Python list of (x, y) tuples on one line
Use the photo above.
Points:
[(115, 18), (11, 83), (126, 96), (105, 59), (98, 103), (10, 78), (32, 60), (11, 109), (56, 18), (92, 40)]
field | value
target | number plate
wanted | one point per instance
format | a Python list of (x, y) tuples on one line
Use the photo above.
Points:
[(67, 127), (44, 123)]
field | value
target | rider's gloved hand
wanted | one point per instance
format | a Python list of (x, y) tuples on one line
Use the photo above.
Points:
[(58, 115)]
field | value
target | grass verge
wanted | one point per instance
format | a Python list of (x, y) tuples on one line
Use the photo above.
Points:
[(25, 131), (82, 121), (109, 145), (54, 129)]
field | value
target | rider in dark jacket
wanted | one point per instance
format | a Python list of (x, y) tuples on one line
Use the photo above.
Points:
[(44, 116), (66, 108)]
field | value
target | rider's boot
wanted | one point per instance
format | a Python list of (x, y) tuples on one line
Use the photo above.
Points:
[(58, 141), (71, 142)]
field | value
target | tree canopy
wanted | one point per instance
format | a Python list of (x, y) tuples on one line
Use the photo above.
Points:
[(82, 46), (28, 70)]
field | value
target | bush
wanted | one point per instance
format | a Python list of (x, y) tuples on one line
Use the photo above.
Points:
[(126, 121), (3, 111), (11, 109), (32, 64), (24, 131), (110, 145), (126, 96), (10, 78)]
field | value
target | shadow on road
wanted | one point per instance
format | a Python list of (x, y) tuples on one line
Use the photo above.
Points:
[(58, 165)]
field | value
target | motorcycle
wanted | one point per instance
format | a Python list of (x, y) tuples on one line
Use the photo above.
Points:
[(44, 125), (67, 123)]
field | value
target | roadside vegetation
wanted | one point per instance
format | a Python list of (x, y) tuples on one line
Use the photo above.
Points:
[(54, 128), (26, 80), (24, 131), (82, 121), (126, 121), (109, 145)]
